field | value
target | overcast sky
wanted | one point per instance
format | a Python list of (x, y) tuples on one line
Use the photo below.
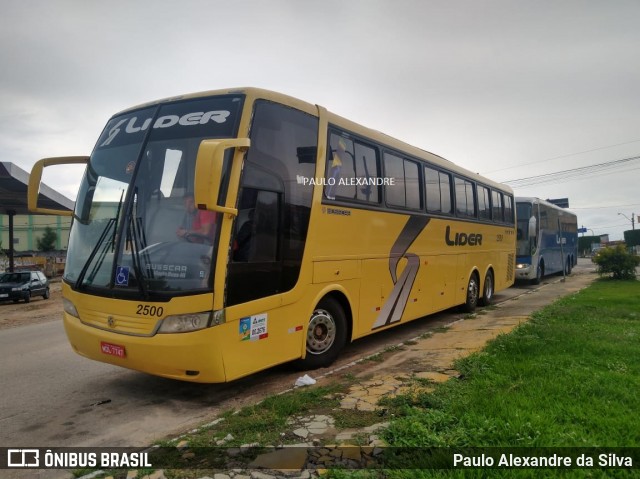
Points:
[(510, 89)]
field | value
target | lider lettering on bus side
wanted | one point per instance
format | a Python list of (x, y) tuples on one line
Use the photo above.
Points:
[(462, 239)]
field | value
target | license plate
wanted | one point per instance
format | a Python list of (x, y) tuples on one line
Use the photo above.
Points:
[(3, 295), (113, 349)]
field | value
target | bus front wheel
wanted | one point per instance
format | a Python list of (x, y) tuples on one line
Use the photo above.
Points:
[(326, 334), (539, 273)]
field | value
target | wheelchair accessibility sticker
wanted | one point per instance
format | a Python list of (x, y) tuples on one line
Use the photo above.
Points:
[(122, 276)]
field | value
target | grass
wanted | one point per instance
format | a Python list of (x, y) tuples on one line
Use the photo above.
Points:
[(568, 378)]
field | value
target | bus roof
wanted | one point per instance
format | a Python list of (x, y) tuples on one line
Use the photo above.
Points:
[(535, 199), (253, 93)]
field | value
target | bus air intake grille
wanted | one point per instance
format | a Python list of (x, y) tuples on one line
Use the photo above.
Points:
[(118, 323)]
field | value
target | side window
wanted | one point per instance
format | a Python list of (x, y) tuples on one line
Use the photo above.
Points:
[(366, 161), (256, 237), (352, 170), (394, 170), (438, 189), (405, 190), (498, 206), (484, 204), (412, 185), (465, 198), (274, 205), (508, 209)]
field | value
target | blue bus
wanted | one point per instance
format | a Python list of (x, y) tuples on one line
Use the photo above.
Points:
[(547, 239)]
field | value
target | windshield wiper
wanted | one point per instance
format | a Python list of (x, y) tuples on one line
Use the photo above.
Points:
[(101, 242), (137, 234), (93, 253)]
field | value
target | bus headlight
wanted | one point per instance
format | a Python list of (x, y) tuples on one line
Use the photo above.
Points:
[(69, 308), (522, 265), (184, 323)]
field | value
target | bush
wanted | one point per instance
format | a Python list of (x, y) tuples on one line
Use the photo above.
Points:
[(617, 262)]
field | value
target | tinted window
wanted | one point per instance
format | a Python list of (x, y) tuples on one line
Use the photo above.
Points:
[(404, 187), (484, 203), (394, 170), (465, 199), (496, 198), (274, 203), (352, 170), (508, 209), (438, 188)]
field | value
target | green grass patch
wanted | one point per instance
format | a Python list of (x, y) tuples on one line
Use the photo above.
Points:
[(265, 422), (567, 378)]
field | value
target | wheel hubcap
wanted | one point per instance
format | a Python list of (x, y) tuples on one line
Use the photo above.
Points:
[(473, 291), (489, 287), (321, 332)]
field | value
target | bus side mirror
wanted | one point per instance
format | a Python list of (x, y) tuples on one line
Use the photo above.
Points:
[(533, 229), (36, 177), (209, 172)]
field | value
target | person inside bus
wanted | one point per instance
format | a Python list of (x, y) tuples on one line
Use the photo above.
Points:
[(242, 244), (198, 226), (336, 167)]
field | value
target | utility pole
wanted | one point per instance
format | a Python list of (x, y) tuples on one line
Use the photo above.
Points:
[(632, 219)]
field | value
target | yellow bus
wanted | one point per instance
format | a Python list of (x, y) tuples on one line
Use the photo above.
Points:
[(221, 233)]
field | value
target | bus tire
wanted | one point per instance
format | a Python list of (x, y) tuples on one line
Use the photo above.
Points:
[(487, 290), (539, 274), (473, 292), (326, 334)]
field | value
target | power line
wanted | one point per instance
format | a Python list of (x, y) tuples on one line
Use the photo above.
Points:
[(602, 207), (559, 157), (571, 173)]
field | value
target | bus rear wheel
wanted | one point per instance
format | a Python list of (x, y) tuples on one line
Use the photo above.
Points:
[(487, 292), (326, 334), (473, 291)]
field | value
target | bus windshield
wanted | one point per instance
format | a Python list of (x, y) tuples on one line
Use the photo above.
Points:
[(136, 232), (523, 214)]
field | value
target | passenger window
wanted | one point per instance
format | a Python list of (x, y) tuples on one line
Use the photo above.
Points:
[(508, 209), (352, 170), (438, 188), (465, 199), (484, 203), (405, 190), (394, 170), (496, 196)]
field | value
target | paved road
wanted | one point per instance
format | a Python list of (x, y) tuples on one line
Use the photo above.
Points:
[(52, 397)]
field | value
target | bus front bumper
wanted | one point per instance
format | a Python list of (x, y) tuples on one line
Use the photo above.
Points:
[(184, 356), (525, 271)]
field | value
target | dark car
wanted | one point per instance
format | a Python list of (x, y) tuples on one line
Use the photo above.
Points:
[(23, 285)]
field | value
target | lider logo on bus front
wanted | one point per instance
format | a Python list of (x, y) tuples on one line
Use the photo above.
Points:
[(462, 239), (189, 119)]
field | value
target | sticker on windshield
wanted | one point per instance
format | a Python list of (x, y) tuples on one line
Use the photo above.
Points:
[(254, 328), (122, 276)]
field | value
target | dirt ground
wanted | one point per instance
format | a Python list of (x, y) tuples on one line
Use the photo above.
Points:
[(39, 310)]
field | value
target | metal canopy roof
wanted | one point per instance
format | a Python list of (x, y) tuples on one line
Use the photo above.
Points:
[(14, 183), (14, 186)]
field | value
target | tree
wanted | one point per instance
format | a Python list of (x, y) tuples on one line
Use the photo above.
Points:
[(617, 262), (48, 240)]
